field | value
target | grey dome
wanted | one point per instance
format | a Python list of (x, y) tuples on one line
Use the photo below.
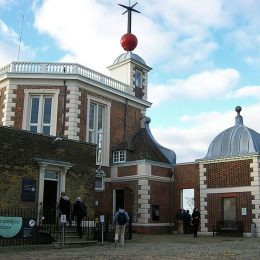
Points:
[(235, 141), (128, 55)]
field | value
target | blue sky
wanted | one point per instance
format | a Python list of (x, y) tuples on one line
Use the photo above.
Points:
[(205, 56)]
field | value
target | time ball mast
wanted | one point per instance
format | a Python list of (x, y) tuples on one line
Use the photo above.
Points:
[(129, 40)]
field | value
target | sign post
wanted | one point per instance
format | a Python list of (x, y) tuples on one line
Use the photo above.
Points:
[(63, 223), (102, 220)]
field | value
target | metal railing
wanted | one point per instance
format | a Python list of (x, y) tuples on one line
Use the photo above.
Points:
[(20, 227), (65, 69)]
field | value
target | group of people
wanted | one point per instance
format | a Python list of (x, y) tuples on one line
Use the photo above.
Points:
[(121, 217), (187, 222), (79, 211)]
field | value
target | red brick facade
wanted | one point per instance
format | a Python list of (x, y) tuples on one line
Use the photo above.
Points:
[(216, 211), (228, 174)]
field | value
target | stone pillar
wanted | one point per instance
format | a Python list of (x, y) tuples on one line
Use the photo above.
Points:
[(73, 120), (9, 105)]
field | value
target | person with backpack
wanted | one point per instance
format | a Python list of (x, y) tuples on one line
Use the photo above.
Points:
[(80, 211), (121, 218)]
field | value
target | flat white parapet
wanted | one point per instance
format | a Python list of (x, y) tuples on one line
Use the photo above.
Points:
[(64, 69)]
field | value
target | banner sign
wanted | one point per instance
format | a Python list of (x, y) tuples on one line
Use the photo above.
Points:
[(17, 227), (10, 226)]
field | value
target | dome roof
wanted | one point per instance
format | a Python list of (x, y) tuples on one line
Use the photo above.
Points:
[(128, 55), (235, 141)]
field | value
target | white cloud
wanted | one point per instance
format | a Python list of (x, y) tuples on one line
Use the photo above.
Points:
[(247, 91), (9, 44), (192, 143), (90, 31), (205, 85)]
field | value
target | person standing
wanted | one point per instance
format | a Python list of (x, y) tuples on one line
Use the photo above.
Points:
[(64, 206), (186, 221), (79, 210), (121, 218), (195, 221), (179, 218)]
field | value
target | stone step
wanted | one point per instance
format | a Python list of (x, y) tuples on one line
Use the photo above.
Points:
[(78, 243)]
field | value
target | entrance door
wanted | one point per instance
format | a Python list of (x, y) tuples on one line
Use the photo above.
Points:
[(120, 198), (50, 200)]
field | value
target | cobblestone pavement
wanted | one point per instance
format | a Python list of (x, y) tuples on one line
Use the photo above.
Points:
[(148, 247)]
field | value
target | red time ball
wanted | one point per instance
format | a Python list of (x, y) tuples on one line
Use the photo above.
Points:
[(128, 42)]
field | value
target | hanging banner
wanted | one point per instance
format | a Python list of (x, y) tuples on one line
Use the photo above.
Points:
[(17, 227), (10, 226)]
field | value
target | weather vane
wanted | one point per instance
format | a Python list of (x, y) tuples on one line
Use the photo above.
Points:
[(129, 40), (129, 10)]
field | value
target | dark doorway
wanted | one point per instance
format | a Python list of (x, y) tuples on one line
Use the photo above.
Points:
[(49, 201), (120, 198)]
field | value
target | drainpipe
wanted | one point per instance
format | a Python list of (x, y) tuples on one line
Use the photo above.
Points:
[(125, 120), (64, 105), (170, 175)]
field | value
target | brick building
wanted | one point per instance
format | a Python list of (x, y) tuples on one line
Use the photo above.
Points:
[(226, 182), (72, 102), (35, 168)]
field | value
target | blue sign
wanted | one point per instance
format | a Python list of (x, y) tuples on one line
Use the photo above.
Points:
[(10, 226)]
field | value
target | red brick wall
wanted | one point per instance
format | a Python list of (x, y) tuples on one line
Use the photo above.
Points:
[(159, 195), (2, 97), (118, 121), (186, 176), (228, 174), (160, 171), (105, 198), (127, 170), (215, 208)]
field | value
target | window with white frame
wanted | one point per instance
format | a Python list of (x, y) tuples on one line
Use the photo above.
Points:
[(138, 78), (99, 180), (40, 114), (98, 129), (40, 111), (119, 156)]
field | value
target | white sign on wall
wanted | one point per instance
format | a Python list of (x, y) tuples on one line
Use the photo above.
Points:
[(63, 219), (244, 211)]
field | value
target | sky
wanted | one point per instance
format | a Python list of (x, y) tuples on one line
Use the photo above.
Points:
[(205, 56)]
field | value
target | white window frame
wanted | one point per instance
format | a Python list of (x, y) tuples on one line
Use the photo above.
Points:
[(119, 156), (28, 93), (102, 183), (106, 128)]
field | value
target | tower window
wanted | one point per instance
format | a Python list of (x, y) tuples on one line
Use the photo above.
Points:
[(138, 78)]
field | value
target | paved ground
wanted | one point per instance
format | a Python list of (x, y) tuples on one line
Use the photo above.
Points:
[(149, 247)]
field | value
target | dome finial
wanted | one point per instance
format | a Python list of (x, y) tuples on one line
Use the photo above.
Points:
[(239, 118), (238, 109)]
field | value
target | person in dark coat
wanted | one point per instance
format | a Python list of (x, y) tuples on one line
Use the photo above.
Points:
[(64, 206), (80, 211), (195, 221), (186, 221)]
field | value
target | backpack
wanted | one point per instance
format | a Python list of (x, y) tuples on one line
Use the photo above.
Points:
[(121, 218)]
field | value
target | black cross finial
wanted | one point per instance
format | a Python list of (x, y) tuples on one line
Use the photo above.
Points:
[(129, 10)]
